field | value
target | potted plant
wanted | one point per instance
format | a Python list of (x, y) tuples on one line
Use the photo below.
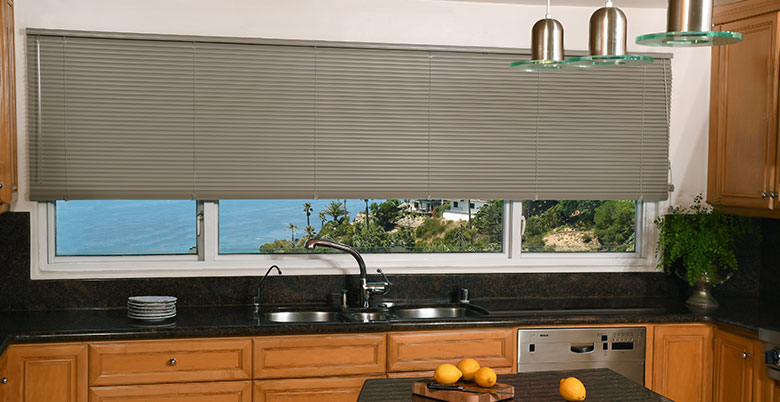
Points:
[(697, 243)]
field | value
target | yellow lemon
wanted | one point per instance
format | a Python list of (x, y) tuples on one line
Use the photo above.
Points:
[(468, 367), (485, 377), (446, 374), (572, 389)]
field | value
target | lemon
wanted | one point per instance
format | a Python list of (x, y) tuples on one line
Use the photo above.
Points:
[(468, 367), (485, 377), (572, 389), (446, 374)]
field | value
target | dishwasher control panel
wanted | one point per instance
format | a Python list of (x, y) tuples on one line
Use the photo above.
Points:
[(619, 349)]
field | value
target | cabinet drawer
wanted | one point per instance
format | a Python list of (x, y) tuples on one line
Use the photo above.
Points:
[(230, 391), (319, 355), (149, 362), (420, 351), (331, 389)]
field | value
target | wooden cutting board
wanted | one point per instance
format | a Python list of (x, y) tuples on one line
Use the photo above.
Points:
[(421, 388)]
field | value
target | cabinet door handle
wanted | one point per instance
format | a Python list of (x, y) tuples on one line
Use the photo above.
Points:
[(172, 362), (773, 195), (4, 380), (764, 195), (745, 355)]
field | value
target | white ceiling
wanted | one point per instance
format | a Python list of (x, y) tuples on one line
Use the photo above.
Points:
[(590, 3)]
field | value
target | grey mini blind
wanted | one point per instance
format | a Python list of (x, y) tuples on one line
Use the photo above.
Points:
[(172, 118)]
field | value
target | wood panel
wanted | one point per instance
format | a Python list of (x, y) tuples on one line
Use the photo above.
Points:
[(4, 387), (682, 362), (319, 355), (149, 362), (734, 363), (226, 391), (329, 389), (775, 392), (421, 351), (47, 373), (743, 116), (743, 9), (8, 175)]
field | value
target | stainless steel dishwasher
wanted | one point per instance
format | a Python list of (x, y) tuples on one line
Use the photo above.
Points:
[(619, 349)]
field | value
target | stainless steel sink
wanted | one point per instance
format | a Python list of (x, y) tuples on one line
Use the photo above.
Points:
[(422, 313), (302, 316), (368, 316)]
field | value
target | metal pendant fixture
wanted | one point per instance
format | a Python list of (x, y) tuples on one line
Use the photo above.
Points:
[(607, 41), (546, 45), (689, 23)]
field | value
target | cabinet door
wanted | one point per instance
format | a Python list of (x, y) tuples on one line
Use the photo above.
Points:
[(318, 355), (47, 373), (743, 116), (776, 392), (4, 387), (734, 362), (424, 350), (227, 391), (7, 105), (328, 389), (682, 362)]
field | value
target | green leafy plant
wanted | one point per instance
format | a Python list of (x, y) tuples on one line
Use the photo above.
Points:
[(700, 240)]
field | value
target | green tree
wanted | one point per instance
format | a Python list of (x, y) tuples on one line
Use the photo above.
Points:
[(386, 213), (336, 210), (323, 218), (488, 221), (309, 231), (292, 228), (615, 222), (307, 209)]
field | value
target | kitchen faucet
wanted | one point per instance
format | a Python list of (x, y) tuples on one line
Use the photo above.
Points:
[(367, 288), (256, 299)]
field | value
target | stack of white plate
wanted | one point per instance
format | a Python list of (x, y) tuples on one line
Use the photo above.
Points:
[(151, 308)]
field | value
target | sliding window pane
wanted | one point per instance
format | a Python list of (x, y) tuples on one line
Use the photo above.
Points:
[(579, 226), (393, 226), (137, 227)]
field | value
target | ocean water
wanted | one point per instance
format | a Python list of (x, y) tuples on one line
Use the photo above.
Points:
[(168, 227)]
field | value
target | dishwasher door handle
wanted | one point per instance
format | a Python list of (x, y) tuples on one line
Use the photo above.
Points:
[(583, 348)]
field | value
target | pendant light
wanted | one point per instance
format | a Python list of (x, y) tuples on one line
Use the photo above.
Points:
[(546, 45), (689, 23), (607, 41)]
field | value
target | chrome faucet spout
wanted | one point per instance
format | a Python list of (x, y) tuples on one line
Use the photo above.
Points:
[(256, 299), (366, 287), (311, 244)]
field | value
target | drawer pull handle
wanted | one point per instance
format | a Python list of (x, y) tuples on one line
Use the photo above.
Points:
[(745, 355), (765, 195), (4, 380), (172, 362)]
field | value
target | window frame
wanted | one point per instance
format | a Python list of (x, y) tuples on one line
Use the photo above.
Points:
[(208, 261)]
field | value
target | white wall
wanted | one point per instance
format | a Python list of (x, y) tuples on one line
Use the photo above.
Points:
[(433, 22), (391, 21)]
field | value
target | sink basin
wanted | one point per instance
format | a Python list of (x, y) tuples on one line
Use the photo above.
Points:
[(302, 316), (368, 316), (418, 313)]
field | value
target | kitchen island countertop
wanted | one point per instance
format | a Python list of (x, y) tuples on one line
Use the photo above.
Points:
[(601, 385)]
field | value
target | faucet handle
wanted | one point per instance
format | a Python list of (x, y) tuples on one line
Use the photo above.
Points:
[(379, 270)]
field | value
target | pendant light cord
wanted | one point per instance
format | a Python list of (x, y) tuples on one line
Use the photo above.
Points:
[(548, 15)]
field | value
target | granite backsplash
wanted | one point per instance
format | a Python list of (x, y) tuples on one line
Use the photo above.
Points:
[(757, 278)]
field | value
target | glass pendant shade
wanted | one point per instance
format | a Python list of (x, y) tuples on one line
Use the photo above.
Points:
[(607, 41), (689, 23), (546, 45)]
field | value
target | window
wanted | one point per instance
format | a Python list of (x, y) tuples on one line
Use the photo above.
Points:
[(117, 238)]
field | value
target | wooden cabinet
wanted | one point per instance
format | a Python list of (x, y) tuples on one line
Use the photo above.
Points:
[(424, 350), (682, 362), (740, 373), (228, 391), (3, 379), (328, 389), (47, 373), (8, 174), (744, 173), (775, 392), (183, 360)]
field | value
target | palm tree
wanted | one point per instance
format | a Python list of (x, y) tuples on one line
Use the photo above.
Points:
[(366, 200), (335, 210), (309, 231), (323, 218), (292, 228), (307, 209)]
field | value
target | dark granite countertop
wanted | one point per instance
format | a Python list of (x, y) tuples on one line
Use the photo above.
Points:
[(600, 384), (113, 324)]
